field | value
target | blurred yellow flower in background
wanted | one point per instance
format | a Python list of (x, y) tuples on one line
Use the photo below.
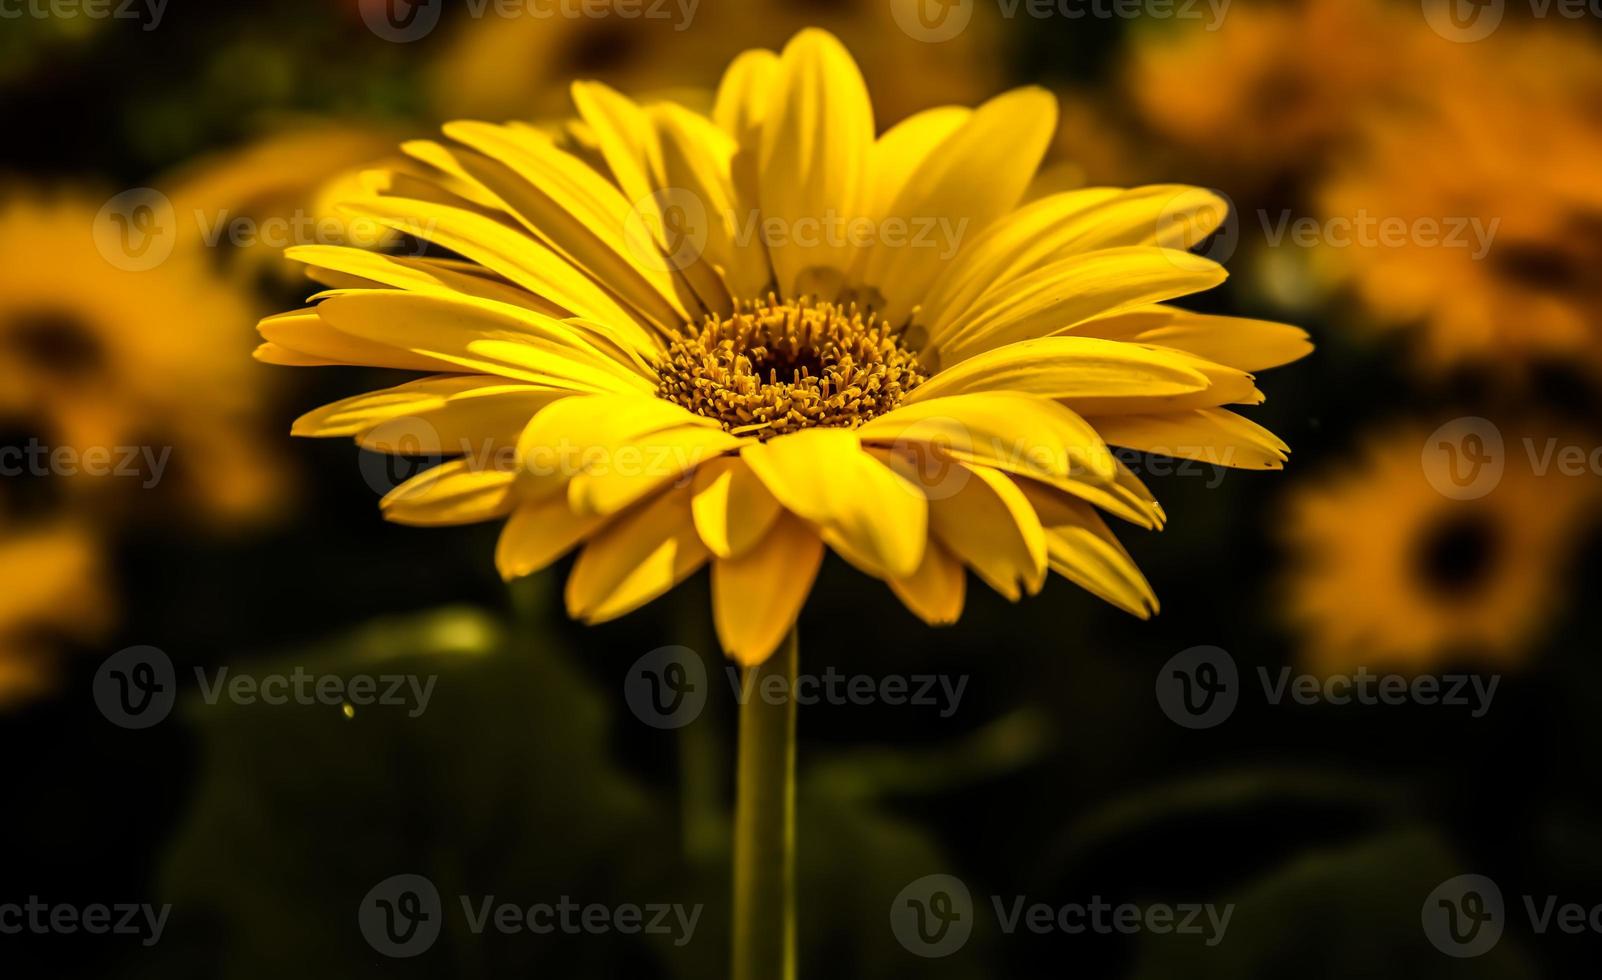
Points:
[(52, 590), (759, 387), (1275, 84), (505, 68), (97, 358), (278, 190), (1386, 571), (1505, 134)]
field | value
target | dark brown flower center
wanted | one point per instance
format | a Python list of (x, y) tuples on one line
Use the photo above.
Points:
[(775, 367), (1457, 555)]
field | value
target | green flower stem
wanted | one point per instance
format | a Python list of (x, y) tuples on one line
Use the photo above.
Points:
[(764, 825)]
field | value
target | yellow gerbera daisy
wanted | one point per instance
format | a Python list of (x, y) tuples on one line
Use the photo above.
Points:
[(751, 387), (1430, 578)]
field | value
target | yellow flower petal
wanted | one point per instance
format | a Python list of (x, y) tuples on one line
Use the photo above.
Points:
[(903, 149), (1211, 435), (538, 533), (605, 434), (757, 596), (345, 267), (1225, 386), (733, 510), (986, 521), (1068, 367), (1237, 342), (632, 470), (813, 170), (628, 138), (976, 175), (1057, 296), (935, 591), (1018, 433), (640, 555), (503, 250), (580, 214), (873, 517), (1011, 246), (302, 338), (1082, 550), (457, 492), (1062, 225), (448, 413), (699, 214), (478, 335), (742, 97)]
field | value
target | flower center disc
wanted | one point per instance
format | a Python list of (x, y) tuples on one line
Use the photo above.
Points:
[(775, 367)]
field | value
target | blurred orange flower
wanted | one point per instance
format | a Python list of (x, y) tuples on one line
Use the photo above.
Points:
[(1387, 571), (114, 369), (1503, 138), (52, 589), (1272, 87)]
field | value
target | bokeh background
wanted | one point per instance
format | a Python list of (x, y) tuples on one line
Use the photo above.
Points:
[(1343, 131)]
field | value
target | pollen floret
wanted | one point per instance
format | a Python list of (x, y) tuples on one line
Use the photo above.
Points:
[(778, 366)]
